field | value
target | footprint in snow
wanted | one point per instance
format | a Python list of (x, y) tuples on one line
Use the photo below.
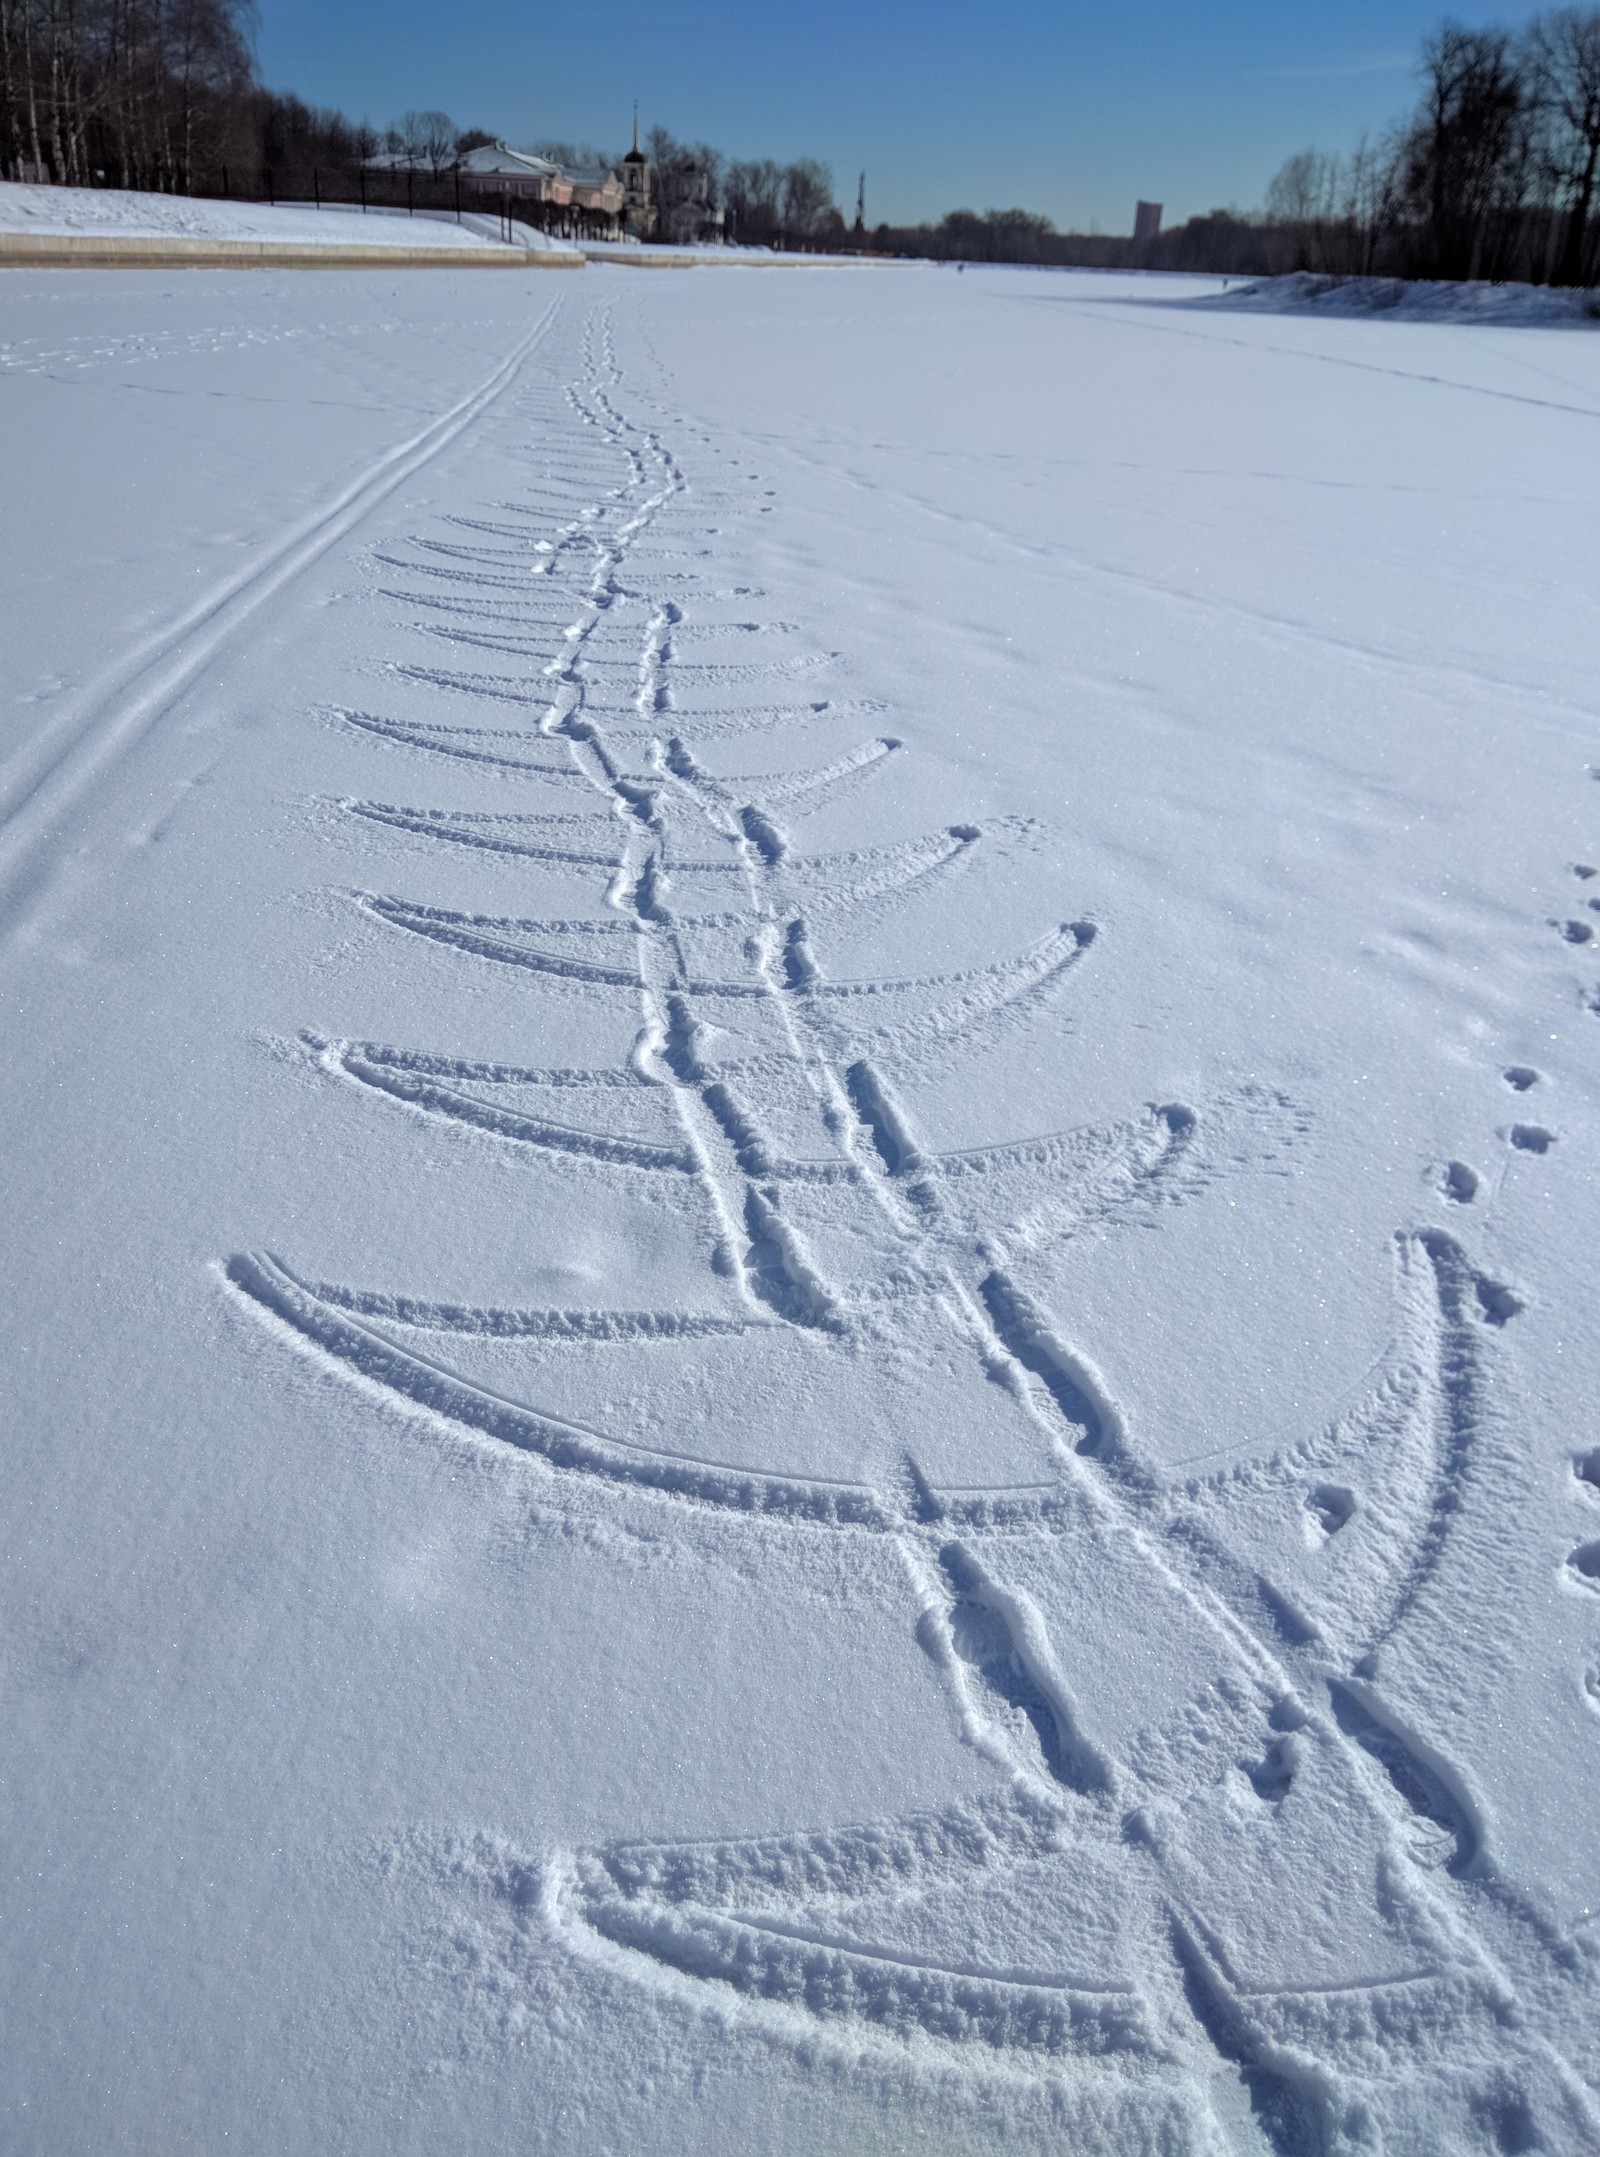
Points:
[(1531, 1138), (1328, 1508), (1458, 1183), (1496, 1302)]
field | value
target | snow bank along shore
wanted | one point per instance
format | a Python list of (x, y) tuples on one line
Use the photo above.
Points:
[(61, 225), (1415, 300)]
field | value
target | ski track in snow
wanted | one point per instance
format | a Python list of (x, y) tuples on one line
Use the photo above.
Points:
[(115, 711), (1067, 1922)]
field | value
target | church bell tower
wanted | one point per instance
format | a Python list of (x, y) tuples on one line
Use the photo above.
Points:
[(638, 212)]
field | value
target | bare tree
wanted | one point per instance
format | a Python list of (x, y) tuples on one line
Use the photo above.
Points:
[(1368, 203), (769, 202), (1563, 65), (572, 155), (1304, 202), (1304, 189), (808, 207), (1467, 162), (755, 200), (427, 138), (142, 92), (715, 167)]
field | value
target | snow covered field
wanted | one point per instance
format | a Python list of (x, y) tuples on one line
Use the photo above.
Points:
[(800, 1152)]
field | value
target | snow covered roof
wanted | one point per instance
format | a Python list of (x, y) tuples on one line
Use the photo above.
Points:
[(496, 158), (492, 159)]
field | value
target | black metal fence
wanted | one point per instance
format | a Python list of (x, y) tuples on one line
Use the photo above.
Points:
[(432, 194)]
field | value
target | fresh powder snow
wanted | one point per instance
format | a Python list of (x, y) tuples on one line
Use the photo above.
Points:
[(801, 1269)]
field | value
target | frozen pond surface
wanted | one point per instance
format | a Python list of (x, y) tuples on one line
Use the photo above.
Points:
[(800, 1150)]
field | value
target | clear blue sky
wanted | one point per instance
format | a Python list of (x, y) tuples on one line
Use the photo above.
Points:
[(1066, 108)]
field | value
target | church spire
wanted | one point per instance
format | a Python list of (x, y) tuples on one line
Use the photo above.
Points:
[(636, 127)]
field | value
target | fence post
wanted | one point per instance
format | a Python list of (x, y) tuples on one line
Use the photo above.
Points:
[(363, 169), (458, 193), (410, 207), (316, 186)]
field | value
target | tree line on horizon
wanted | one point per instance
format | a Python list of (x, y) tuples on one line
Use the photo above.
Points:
[(1494, 174), (164, 95)]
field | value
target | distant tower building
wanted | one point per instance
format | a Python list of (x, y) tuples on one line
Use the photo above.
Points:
[(861, 205), (637, 212), (1146, 220)]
